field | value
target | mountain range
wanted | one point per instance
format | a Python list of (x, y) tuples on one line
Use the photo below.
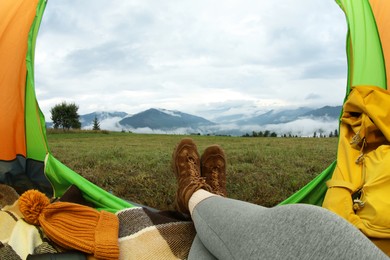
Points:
[(301, 121)]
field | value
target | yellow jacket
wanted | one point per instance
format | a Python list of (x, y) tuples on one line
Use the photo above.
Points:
[(359, 189)]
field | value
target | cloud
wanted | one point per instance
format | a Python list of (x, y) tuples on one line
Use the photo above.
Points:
[(110, 124), (305, 127), (312, 96), (327, 69), (130, 55), (302, 127), (106, 57)]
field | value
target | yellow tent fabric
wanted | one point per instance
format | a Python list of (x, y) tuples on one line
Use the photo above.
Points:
[(363, 163), (364, 140)]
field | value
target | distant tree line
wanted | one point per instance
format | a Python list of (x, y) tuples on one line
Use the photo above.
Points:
[(317, 134), (266, 133), (321, 134), (290, 135)]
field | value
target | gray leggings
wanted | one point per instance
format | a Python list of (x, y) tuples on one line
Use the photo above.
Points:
[(232, 229)]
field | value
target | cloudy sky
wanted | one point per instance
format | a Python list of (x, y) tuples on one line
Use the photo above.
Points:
[(193, 56)]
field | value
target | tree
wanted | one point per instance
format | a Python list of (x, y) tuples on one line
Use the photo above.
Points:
[(336, 134), (321, 132), (96, 124), (65, 115)]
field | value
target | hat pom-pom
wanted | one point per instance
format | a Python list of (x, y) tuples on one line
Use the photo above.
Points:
[(31, 204)]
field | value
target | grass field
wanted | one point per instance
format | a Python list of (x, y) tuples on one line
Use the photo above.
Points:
[(136, 167)]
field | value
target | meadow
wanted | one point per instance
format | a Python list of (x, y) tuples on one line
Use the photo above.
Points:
[(137, 167)]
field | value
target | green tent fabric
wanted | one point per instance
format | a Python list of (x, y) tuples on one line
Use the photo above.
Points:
[(25, 158), (62, 177)]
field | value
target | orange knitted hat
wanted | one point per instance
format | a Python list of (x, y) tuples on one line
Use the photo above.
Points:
[(72, 225)]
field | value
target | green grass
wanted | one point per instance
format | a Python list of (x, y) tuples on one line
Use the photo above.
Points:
[(137, 167)]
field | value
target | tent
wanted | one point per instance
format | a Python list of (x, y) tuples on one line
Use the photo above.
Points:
[(25, 158)]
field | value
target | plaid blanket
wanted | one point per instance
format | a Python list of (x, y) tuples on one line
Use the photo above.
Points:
[(143, 234), (148, 234), (18, 239)]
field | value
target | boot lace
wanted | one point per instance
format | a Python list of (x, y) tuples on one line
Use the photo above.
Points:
[(194, 175), (215, 179)]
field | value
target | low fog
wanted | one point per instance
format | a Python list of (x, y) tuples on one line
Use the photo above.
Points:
[(305, 127)]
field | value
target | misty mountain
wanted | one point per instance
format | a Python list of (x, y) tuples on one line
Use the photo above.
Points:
[(302, 121), (286, 116), (163, 119), (327, 111), (276, 117)]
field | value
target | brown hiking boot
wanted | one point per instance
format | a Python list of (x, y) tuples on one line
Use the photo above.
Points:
[(213, 168), (186, 165)]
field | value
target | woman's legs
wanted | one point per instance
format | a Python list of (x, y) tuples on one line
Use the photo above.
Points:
[(199, 251), (232, 229)]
